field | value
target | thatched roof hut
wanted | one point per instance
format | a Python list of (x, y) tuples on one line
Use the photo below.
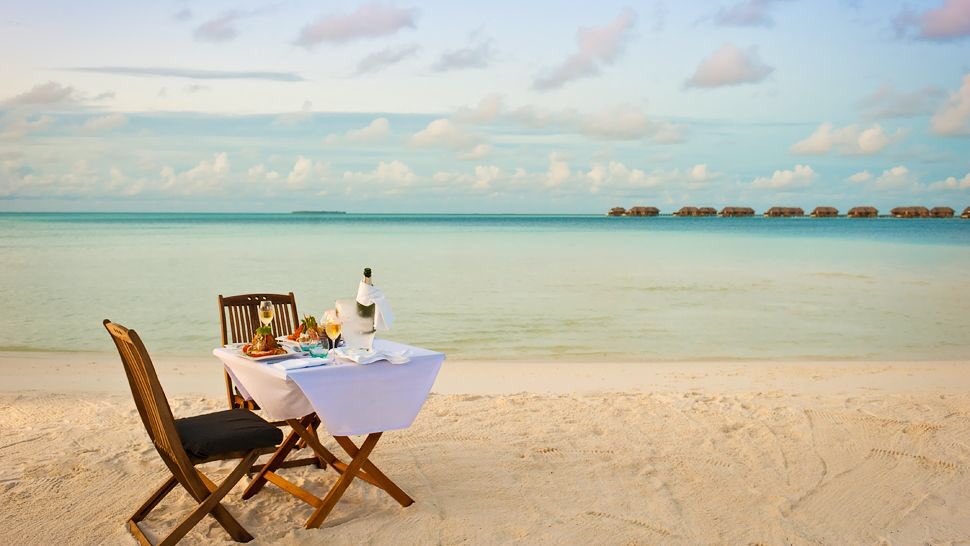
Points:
[(863, 212), (616, 211), (696, 211), (786, 212), (910, 212), (966, 213), (643, 211), (825, 212), (941, 212), (737, 211)]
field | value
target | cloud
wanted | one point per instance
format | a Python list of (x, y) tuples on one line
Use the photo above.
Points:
[(368, 21), (486, 111), (598, 46), (951, 183), (948, 21), (953, 118), (305, 171), (617, 177), (730, 65), (205, 177), (748, 13), (623, 122), (799, 177), (195, 88), (386, 57), (848, 140), (16, 125), (220, 28), (107, 95), (480, 151), (558, 171), (375, 131), (44, 94), (390, 174), (476, 55), (887, 102), (620, 122), (183, 14), (105, 123), (443, 133), (895, 177), (860, 177), (259, 173), (192, 74), (305, 113)]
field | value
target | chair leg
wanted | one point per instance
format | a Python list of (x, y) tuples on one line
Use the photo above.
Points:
[(152, 501), (209, 504), (229, 393)]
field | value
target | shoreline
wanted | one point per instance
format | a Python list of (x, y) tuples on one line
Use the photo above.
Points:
[(102, 372)]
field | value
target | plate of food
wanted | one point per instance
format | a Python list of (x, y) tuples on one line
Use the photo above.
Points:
[(265, 347), (307, 332)]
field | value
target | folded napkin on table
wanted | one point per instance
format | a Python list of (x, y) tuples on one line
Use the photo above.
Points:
[(297, 363), (371, 295), (366, 356)]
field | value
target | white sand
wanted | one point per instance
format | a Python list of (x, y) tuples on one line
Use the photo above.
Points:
[(677, 453)]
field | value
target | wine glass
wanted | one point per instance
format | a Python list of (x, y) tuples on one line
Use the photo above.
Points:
[(266, 312), (331, 325)]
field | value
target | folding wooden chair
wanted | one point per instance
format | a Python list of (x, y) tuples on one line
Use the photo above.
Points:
[(239, 318), (184, 443)]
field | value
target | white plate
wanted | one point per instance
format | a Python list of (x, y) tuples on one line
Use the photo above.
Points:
[(290, 353)]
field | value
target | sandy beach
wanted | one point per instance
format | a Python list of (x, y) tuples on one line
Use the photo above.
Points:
[(504, 452)]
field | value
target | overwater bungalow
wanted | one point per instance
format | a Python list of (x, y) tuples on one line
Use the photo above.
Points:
[(942, 212), (643, 211), (910, 212), (966, 213), (696, 211), (784, 212), (825, 212), (737, 211), (863, 212), (616, 211)]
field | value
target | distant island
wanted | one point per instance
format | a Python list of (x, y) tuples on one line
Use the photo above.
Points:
[(319, 212)]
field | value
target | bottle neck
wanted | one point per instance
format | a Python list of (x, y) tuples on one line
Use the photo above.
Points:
[(368, 281)]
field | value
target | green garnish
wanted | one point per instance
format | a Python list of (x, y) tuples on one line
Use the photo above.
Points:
[(264, 331), (309, 323)]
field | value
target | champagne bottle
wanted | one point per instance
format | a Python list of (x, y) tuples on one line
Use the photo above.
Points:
[(366, 311)]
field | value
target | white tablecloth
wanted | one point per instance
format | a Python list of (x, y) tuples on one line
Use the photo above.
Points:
[(351, 399)]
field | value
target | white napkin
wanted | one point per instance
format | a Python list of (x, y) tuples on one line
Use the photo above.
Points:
[(367, 356), (297, 363), (371, 295)]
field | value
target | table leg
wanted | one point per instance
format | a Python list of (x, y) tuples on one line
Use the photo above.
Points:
[(343, 482), (279, 456), (370, 468)]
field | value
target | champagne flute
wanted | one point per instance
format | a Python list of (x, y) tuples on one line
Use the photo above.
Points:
[(266, 312), (331, 326)]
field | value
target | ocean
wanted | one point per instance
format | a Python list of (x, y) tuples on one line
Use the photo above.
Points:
[(505, 287)]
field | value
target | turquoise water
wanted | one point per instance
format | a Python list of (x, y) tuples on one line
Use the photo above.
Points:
[(506, 287)]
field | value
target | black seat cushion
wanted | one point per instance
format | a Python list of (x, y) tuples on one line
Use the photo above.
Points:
[(213, 434)]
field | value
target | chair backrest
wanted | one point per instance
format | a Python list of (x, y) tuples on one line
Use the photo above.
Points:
[(239, 316), (149, 397)]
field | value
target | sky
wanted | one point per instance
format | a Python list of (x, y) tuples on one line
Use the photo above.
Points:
[(487, 107)]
